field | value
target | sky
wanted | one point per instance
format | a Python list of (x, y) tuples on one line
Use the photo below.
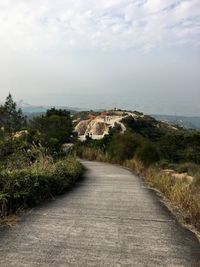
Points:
[(131, 54)]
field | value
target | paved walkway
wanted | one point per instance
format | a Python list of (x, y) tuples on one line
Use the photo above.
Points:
[(108, 219)]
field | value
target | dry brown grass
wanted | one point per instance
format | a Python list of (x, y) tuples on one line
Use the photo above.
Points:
[(182, 194), (135, 165), (92, 154)]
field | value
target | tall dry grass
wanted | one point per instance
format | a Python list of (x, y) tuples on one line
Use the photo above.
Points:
[(136, 166), (185, 196), (182, 194), (92, 154)]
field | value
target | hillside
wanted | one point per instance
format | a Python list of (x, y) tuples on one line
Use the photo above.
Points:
[(98, 124), (182, 121)]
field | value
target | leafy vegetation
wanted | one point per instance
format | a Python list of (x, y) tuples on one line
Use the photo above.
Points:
[(54, 128), (30, 185), (11, 118), (123, 147), (33, 166)]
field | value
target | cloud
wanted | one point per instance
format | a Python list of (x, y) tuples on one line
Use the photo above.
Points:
[(106, 24)]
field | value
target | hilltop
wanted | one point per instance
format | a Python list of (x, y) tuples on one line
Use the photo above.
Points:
[(98, 124)]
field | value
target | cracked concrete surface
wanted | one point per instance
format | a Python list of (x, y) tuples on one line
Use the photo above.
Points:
[(108, 219)]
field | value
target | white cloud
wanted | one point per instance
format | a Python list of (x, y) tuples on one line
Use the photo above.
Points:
[(106, 24), (159, 5)]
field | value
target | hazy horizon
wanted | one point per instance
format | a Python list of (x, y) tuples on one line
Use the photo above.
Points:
[(127, 54)]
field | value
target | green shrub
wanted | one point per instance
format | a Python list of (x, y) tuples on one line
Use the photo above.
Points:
[(147, 154), (54, 128), (145, 126), (123, 147), (33, 184)]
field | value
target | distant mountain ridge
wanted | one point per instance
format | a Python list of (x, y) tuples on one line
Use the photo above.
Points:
[(183, 121), (192, 122), (28, 108)]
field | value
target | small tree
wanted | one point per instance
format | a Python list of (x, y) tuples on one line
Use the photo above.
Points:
[(11, 118), (55, 128)]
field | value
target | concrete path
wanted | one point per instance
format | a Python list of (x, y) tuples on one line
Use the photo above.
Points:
[(108, 219)]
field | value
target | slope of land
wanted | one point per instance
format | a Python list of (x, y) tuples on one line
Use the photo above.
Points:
[(97, 125), (183, 121)]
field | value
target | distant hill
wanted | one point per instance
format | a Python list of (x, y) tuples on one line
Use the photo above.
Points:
[(34, 110), (31, 115), (183, 121)]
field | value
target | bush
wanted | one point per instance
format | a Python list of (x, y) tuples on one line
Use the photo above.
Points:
[(31, 185), (123, 147), (145, 126), (53, 129), (147, 154)]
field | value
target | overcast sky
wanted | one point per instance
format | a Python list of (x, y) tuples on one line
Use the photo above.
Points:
[(135, 54)]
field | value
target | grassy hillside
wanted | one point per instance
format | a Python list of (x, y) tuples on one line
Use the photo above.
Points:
[(167, 155)]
